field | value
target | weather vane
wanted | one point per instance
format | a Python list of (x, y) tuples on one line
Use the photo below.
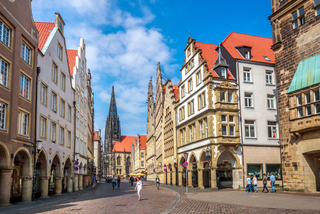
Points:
[(189, 32)]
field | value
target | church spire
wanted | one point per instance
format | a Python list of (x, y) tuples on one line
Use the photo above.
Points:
[(113, 106)]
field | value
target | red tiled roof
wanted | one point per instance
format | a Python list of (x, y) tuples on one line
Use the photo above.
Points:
[(176, 90), (44, 29), (96, 135), (143, 141), (125, 144), (72, 59), (261, 46)]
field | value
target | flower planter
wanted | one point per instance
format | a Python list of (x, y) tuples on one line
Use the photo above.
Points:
[(18, 163)]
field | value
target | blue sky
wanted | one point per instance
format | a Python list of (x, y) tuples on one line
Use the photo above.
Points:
[(126, 39)]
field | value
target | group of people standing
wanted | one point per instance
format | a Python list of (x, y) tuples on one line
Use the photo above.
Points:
[(252, 183), (116, 181)]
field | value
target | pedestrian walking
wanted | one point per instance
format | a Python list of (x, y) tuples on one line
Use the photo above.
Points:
[(139, 187), (113, 181), (248, 184), (265, 181), (255, 183), (218, 180), (94, 182), (118, 181), (272, 180), (131, 180), (158, 182)]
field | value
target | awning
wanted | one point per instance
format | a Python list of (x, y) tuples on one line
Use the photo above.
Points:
[(307, 74)]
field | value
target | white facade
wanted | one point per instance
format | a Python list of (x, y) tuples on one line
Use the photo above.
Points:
[(79, 84), (55, 104)]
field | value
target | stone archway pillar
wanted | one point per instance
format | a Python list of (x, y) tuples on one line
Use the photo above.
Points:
[(85, 180), (169, 177), (26, 189), (214, 179), (190, 179), (58, 185), (44, 186), (5, 187), (80, 182), (174, 178), (76, 183), (200, 179), (180, 179), (69, 183)]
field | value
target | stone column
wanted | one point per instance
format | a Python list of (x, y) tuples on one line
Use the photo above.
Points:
[(169, 178), (58, 185), (69, 183), (174, 178), (80, 182), (76, 186), (180, 179), (85, 179), (5, 187), (213, 179), (200, 179), (27, 189), (44, 186), (190, 179)]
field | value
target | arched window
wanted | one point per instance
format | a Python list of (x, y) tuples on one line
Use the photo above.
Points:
[(118, 160)]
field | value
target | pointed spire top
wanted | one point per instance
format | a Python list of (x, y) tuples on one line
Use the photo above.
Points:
[(113, 106), (158, 66), (189, 32)]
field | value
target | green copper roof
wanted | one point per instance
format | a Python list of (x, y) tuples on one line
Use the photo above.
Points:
[(307, 74), (46, 45)]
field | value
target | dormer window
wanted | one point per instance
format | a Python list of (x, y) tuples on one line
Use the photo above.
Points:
[(247, 54), (267, 58), (189, 51), (223, 72)]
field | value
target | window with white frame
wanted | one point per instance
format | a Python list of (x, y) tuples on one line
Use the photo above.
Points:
[(269, 79), (192, 106), (62, 108), (182, 91), (300, 112), (81, 147), (272, 130), (53, 132), (206, 126), (192, 63), (316, 96), (190, 130), (181, 133), (248, 99), (26, 53), (307, 98), (223, 72), (54, 102), (23, 123), (63, 81), (198, 77), (43, 96), (43, 127), (142, 163), (201, 129), (77, 145), (247, 54), (317, 108), (299, 100), (250, 131), (54, 73), (224, 130), (223, 118), (230, 97), (3, 116), (4, 73), (77, 122), (308, 110), (5, 34), (68, 138), (231, 130), (69, 113), (195, 132), (190, 85), (271, 101), (24, 86), (247, 74), (231, 119), (223, 96), (60, 51), (142, 155), (61, 136), (317, 6)]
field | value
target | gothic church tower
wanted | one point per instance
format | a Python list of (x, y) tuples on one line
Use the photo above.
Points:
[(113, 129)]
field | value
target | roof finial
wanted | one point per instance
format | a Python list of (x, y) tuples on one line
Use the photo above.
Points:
[(189, 32), (219, 53)]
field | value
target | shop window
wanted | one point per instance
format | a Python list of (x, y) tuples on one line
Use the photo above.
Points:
[(275, 169), (255, 169)]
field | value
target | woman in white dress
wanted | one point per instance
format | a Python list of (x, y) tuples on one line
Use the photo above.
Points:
[(139, 187)]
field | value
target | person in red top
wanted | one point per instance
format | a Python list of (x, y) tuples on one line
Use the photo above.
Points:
[(118, 182)]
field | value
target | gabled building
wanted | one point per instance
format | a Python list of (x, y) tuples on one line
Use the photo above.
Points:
[(207, 119), (140, 152), (79, 76), (97, 153), (55, 111), (251, 59), (296, 43), (18, 77)]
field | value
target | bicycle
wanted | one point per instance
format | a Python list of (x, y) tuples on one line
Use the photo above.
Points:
[(158, 185)]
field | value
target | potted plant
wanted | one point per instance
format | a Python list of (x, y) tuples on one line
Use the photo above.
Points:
[(18, 162), (225, 161), (66, 167), (194, 163), (55, 164), (205, 161), (39, 163)]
